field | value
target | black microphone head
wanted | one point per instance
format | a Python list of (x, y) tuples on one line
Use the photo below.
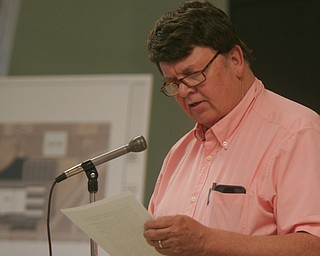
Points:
[(137, 144)]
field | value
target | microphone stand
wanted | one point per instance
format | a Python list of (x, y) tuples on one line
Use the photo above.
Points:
[(92, 175)]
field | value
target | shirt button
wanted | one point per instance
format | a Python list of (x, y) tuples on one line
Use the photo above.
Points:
[(193, 199), (209, 158), (225, 144)]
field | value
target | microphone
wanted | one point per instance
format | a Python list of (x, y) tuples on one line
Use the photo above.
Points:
[(137, 144)]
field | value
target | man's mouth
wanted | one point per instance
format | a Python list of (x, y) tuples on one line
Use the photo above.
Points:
[(192, 105)]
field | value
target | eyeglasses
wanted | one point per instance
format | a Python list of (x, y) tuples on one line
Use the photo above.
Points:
[(192, 80)]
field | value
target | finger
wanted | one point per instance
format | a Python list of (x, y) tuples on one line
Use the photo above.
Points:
[(151, 242), (159, 223), (156, 234), (160, 244), (157, 244)]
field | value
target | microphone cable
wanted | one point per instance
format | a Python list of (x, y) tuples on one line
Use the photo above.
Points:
[(48, 217)]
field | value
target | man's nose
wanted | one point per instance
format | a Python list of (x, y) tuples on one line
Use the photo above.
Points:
[(184, 89)]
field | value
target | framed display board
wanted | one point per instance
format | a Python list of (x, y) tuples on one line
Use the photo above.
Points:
[(51, 123)]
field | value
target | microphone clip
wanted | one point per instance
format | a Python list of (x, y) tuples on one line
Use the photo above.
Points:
[(92, 175)]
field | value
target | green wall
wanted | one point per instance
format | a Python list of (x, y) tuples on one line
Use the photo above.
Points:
[(99, 37)]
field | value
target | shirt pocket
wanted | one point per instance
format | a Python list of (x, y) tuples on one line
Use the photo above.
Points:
[(227, 211)]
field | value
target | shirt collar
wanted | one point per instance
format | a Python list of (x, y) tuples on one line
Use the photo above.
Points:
[(226, 128)]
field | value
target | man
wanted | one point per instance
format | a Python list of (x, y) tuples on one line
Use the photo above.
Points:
[(246, 179)]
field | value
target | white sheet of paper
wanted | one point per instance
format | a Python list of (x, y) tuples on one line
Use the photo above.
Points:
[(115, 224)]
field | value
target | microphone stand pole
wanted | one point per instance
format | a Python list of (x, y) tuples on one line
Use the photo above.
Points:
[(92, 175)]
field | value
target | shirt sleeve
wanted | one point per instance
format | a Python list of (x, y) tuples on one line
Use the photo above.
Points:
[(295, 175)]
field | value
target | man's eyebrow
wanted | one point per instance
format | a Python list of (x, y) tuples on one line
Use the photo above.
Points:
[(185, 72), (191, 68)]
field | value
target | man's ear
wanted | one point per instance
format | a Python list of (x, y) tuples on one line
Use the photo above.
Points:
[(237, 60)]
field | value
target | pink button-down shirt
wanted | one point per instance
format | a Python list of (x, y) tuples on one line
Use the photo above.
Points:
[(267, 144)]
